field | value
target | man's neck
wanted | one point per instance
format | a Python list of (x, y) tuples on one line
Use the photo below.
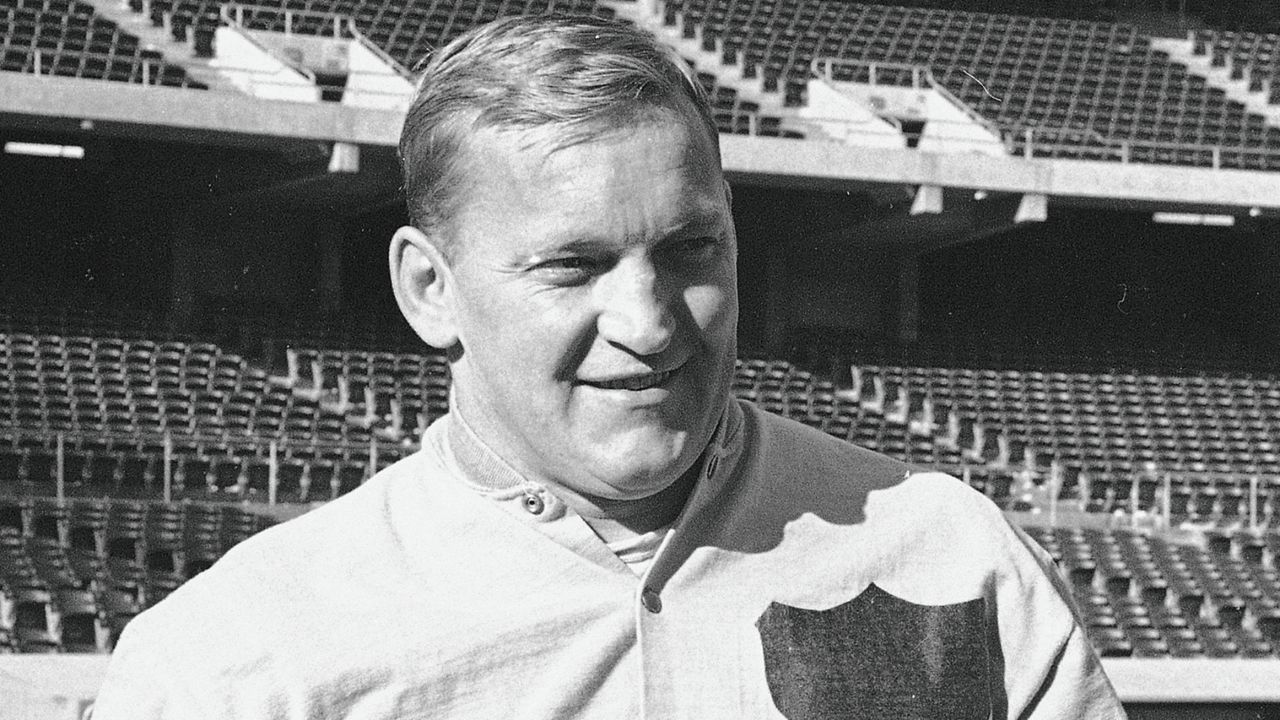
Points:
[(615, 520), (612, 520)]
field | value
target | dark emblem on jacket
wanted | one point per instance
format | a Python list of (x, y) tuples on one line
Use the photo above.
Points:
[(877, 657)]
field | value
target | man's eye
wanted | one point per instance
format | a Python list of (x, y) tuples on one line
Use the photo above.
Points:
[(567, 270)]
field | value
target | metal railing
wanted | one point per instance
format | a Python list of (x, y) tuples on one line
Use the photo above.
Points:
[(1032, 141), (1041, 141), (1164, 479), (891, 74), (343, 27), (173, 446)]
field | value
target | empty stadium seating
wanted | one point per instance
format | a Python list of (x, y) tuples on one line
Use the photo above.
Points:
[(1250, 56), (1140, 595), (1082, 89), (409, 31), (66, 38), (116, 403), (1115, 434), (72, 574), (1093, 85)]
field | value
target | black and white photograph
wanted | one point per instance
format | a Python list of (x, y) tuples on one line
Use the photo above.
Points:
[(639, 359)]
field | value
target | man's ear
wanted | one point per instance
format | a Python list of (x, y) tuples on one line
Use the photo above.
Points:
[(424, 287), (728, 194)]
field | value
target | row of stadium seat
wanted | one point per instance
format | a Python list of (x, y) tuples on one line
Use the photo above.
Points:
[(52, 382), (140, 474), (1251, 56), (114, 400), (1212, 423), (409, 31), (1090, 85), (73, 574), (116, 403), (1141, 595), (1098, 80), (66, 37)]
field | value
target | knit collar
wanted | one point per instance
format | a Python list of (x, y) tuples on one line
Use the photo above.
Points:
[(487, 472)]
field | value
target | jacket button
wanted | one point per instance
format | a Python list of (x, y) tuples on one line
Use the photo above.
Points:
[(651, 601), (534, 504)]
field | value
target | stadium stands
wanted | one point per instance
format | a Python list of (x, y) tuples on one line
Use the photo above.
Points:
[(1064, 88), (1250, 56), (1093, 84), (1212, 431), (72, 574), (1143, 596), (1057, 87), (408, 33), (66, 37), (74, 571), (118, 403)]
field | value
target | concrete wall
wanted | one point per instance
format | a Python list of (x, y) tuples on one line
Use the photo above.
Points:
[(249, 66), (372, 83), (49, 687), (314, 52), (842, 115), (257, 259)]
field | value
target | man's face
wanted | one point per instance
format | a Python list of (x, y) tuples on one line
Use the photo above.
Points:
[(595, 303)]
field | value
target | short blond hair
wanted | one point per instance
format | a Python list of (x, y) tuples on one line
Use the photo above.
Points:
[(583, 76)]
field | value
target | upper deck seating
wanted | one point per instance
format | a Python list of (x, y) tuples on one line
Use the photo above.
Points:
[(1251, 57), (408, 32), (66, 37), (1091, 84)]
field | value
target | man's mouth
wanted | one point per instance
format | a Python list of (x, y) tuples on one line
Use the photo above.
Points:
[(634, 382)]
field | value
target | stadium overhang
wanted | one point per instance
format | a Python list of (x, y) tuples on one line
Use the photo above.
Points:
[(56, 104), (1132, 186), (70, 107)]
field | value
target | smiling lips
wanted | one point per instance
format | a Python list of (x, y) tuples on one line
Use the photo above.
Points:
[(633, 382)]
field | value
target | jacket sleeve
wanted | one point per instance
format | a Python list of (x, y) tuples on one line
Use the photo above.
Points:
[(141, 684), (1051, 670)]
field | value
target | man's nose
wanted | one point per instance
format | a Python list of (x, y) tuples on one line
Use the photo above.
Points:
[(635, 308)]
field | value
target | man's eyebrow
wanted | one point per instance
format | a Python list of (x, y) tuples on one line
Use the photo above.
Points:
[(699, 221)]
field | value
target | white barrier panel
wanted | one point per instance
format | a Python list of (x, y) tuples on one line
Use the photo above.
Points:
[(839, 112), (373, 83), (49, 687), (251, 68), (951, 130)]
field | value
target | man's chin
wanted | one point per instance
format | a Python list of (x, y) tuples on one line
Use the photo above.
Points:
[(640, 461), (634, 478)]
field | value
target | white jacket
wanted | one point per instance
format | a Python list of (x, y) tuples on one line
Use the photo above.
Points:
[(806, 578)]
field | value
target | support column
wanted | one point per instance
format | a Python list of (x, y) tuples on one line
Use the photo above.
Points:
[(779, 299), (330, 242), (908, 305), (183, 266)]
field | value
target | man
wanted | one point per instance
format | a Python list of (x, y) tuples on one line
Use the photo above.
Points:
[(597, 529)]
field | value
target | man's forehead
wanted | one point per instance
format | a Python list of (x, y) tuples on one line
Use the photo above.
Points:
[(618, 119), (572, 179), (529, 161)]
